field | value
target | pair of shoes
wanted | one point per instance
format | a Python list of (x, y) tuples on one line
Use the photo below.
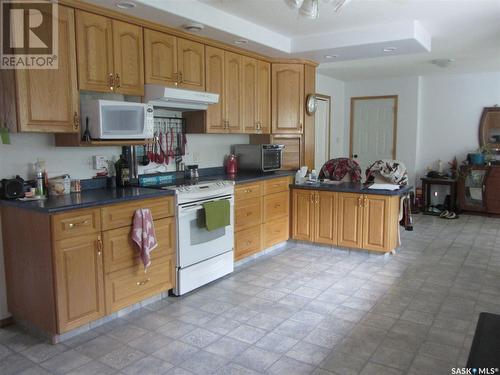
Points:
[(448, 215)]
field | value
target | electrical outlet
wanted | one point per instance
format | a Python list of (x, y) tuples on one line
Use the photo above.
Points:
[(99, 162)]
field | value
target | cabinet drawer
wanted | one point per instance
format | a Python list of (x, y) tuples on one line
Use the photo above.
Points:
[(246, 191), (276, 185), (121, 252), (276, 206), (247, 213), (75, 223), (132, 285), (275, 232), (121, 215), (247, 242)]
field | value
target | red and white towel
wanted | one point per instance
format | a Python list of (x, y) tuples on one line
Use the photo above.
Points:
[(143, 234)]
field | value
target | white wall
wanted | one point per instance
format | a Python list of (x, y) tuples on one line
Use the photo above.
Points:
[(336, 90), (450, 110), (407, 90), (18, 158)]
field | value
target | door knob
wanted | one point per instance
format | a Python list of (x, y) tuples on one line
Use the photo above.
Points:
[(355, 156)]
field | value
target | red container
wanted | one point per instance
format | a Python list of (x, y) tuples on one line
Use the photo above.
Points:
[(231, 164)]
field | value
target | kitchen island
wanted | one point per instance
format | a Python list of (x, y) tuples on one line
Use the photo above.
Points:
[(347, 215)]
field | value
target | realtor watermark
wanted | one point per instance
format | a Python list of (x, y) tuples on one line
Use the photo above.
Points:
[(474, 370), (29, 34)]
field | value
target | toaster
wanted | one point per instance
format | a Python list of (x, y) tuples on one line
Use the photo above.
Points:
[(12, 188)]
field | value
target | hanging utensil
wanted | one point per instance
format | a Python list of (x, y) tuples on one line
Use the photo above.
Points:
[(145, 159), (161, 156)]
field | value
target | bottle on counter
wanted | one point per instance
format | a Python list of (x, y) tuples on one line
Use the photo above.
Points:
[(40, 179), (122, 171)]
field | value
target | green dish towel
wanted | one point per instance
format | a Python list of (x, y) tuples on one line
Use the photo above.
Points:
[(217, 214)]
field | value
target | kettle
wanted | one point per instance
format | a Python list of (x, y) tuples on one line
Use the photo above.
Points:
[(231, 164)]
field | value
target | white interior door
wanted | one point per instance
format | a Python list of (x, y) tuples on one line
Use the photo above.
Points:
[(373, 126), (322, 133)]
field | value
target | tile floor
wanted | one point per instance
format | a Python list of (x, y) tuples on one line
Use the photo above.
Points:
[(304, 310)]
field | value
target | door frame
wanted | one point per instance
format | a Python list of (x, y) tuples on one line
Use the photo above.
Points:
[(328, 99), (394, 122)]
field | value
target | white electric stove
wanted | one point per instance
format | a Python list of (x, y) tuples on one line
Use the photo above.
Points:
[(202, 255)]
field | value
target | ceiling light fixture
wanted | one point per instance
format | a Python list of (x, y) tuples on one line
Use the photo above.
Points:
[(389, 49), (310, 8), (330, 56), (193, 27), (125, 5), (240, 41), (442, 63)]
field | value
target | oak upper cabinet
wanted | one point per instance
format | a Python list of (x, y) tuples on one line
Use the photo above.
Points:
[(47, 100), (287, 98), (325, 222), (110, 55), (94, 40), (232, 92), (191, 64), (215, 63), (249, 92), (128, 53), (264, 97), (79, 280), (160, 58), (303, 215), (350, 210)]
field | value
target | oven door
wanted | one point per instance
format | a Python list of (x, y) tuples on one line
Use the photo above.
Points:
[(196, 243), (271, 159)]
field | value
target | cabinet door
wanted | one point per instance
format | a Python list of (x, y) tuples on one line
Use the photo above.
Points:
[(492, 186), (232, 91), (160, 58), (376, 224), (264, 97), (48, 99), (303, 215), (214, 62), (325, 222), (94, 43), (191, 64), (287, 98), (79, 277), (292, 153), (249, 95), (350, 220), (128, 58)]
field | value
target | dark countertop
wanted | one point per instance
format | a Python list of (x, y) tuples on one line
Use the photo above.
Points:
[(88, 198), (350, 187)]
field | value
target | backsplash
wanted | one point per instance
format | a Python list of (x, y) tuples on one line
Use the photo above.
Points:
[(206, 150)]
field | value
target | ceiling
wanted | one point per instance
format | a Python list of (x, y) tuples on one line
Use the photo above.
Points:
[(421, 30)]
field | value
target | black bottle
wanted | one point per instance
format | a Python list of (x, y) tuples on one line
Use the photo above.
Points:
[(122, 172)]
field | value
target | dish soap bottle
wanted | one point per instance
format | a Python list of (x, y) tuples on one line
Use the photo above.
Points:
[(40, 179), (122, 171)]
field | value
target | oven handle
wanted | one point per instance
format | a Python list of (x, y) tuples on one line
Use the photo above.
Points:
[(196, 206)]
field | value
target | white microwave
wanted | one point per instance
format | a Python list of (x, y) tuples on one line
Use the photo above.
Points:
[(110, 119)]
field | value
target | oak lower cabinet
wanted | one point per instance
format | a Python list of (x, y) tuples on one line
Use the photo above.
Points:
[(79, 280), (261, 215), (45, 100), (83, 264), (363, 221)]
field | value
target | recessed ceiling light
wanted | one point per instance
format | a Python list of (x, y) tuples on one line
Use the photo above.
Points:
[(390, 49), (126, 5), (193, 27), (241, 41), (442, 63), (330, 56)]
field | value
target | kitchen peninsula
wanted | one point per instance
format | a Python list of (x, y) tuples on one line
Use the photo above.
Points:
[(347, 215)]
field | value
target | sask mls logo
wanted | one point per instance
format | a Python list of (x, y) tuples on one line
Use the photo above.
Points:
[(29, 34)]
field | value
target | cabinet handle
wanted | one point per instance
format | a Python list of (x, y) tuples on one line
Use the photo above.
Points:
[(111, 81), (181, 79), (248, 214), (249, 243), (72, 225), (176, 79), (277, 205), (317, 199), (300, 126), (143, 282), (360, 202), (117, 80), (248, 191), (365, 201), (76, 121), (99, 246)]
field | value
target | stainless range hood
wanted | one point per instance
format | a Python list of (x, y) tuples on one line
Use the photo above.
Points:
[(178, 99)]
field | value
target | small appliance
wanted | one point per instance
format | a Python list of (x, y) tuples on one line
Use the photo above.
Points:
[(12, 188), (178, 99), (259, 157), (231, 164), (111, 119)]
